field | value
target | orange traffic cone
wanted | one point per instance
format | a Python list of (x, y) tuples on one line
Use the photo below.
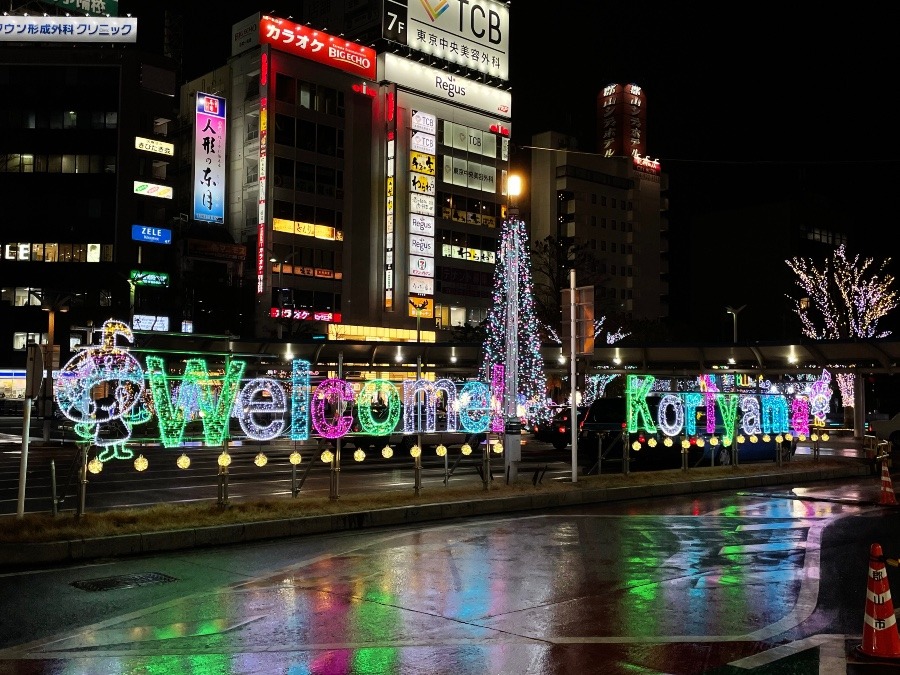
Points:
[(888, 497), (880, 637)]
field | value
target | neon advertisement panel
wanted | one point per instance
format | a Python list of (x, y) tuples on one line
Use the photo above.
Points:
[(209, 159)]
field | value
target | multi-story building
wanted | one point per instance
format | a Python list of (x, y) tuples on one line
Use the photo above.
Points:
[(369, 188), (85, 181), (615, 208)]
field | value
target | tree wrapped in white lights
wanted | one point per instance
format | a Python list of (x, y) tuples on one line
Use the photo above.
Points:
[(844, 299), (531, 380)]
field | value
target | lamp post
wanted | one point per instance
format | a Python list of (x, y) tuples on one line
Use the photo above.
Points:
[(59, 303), (734, 313), (418, 306), (512, 442)]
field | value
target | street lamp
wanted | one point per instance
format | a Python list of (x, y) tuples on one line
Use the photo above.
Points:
[(734, 313), (512, 441), (51, 305)]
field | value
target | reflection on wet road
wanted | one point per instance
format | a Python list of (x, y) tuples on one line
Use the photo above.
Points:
[(676, 585)]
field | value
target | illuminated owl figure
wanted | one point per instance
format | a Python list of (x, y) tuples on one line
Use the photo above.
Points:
[(117, 376)]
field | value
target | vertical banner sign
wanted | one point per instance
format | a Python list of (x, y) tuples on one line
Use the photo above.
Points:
[(263, 143), (209, 159), (422, 192), (390, 115)]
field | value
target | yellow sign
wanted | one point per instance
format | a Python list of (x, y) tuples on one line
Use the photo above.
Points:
[(421, 307), (421, 162), (151, 145)]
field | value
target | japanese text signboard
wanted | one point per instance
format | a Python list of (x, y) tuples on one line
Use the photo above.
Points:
[(209, 159), (318, 46), (58, 29)]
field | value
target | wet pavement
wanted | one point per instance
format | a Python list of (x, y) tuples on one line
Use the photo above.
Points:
[(716, 583)]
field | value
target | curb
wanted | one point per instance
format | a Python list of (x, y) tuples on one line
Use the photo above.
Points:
[(18, 555)]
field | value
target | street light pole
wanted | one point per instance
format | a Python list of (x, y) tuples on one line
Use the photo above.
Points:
[(512, 441), (734, 313)]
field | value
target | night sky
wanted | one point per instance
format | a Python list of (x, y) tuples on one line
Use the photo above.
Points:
[(746, 96), (747, 105)]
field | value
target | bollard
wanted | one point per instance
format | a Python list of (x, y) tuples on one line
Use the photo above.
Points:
[(486, 466), (82, 488), (53, 503)]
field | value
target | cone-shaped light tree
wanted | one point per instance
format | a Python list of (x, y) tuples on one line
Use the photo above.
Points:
[(513, 270), (842, 299)]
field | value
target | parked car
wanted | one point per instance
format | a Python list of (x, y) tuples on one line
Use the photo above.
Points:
[(750, 448), (556, 430), (887, 430)]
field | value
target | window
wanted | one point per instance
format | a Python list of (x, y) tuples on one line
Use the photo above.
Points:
[(285, 133), (306, 177), (252, 122), (612, 247), (306, 135), (614, 202), (306, 92), (51, 252), (37, 252), (593, 198), (613, 225), (284, 173), (251, 170), (325, 179), (285, 88), (603, 200), (112, 120), (593, 221)]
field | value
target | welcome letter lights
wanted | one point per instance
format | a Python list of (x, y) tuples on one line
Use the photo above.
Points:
[(265, 408)]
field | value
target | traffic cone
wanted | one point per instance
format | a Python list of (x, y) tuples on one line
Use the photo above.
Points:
[(880, 638), (888, 498)]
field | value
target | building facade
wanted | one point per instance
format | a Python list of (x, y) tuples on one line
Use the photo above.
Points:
[(369, 188), (616, 209), (86, 182)]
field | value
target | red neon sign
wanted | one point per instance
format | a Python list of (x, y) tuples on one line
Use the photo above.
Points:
[(317, 46)]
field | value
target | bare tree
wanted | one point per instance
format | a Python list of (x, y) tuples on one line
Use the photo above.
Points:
[(844, 298)]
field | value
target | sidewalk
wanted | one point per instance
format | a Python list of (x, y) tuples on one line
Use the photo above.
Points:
[(841, 459)]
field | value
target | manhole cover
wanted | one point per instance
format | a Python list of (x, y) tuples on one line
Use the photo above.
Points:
[(123, 581)]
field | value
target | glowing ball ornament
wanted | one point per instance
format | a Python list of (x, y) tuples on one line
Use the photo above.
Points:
[(359, 455), (766, 438), (497, 447), (813, 437), (141, 463), (261, 459), (667, 441), (183, 462), (466, 449), (327, 456), (636, 445), (714, 441), (685, 444), (754, 438), (224, 459), (295, 458), (700, 442), (779, 438), (415, 451), (441, 450), (95, 466), (824, 436), (651, 442), (387, 452), (727, 441)]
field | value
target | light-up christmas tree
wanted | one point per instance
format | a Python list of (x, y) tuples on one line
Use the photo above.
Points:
[(513, 259), (843, 300)]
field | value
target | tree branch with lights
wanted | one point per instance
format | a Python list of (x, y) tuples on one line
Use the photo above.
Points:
[(843, 299)]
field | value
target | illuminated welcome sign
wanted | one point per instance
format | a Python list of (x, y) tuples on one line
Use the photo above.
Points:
[(756, 413), (265, 408)]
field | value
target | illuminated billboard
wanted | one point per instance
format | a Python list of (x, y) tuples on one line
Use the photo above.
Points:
[(209, 159), (67, 29), (471, 34), (318, 46)]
